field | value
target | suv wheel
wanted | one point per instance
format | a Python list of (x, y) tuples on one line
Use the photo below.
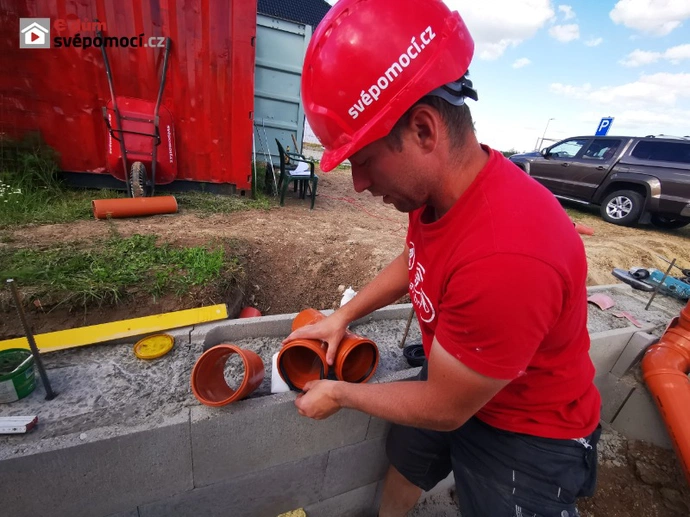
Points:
[(668, 223), (622, 207)]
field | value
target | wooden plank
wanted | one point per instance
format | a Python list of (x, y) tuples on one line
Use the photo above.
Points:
[(81, 336)]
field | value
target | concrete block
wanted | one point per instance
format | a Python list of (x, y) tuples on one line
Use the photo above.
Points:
[(263, 494), (639, 419), (101, 477), (614, 393), (633, 352), (401, 375), (234, 330), (255, 434), (131, 513), (354, 466), (399, 311), (606, 347), (378, 428), (359, 502)]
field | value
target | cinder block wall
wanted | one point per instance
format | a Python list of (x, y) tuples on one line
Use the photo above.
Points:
[(254, 458)]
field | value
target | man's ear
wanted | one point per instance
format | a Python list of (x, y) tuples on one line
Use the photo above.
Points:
[(425, 127)]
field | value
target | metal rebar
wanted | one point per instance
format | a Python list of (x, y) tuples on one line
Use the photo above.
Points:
[(407, 328), (669, 262), (656, 290), (50, 394)]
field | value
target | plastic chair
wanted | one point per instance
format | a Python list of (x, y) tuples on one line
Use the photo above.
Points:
[(292, 172)]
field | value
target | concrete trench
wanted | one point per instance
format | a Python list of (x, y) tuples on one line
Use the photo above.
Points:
[(126, 437)]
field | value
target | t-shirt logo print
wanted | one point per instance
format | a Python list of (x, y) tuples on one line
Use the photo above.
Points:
[(427, 313)]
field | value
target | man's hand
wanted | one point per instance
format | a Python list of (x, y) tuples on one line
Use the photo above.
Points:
[(329, 330), (318, 400)]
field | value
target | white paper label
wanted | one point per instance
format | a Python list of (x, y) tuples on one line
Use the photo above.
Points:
[(7, 392)]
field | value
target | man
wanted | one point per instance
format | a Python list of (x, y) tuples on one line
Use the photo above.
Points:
[(493, 266)]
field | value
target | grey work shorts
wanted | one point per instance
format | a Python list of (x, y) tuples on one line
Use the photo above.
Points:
[(498, 473)]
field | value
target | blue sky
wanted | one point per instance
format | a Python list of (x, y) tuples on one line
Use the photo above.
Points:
[(576, 62)]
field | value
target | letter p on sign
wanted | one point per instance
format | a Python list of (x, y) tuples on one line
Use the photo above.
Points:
[(604, 126)]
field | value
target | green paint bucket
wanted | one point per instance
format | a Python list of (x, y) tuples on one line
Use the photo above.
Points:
[(17, 375)]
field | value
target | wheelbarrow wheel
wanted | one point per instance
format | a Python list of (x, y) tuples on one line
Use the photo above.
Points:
[(137, 179)]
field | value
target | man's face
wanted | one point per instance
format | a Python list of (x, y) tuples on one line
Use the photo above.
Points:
[(395, 175)]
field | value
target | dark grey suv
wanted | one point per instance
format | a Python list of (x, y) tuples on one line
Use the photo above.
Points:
[(632, 179)]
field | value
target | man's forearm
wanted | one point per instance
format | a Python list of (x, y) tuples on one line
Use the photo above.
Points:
[(388, 286), (411, 403)]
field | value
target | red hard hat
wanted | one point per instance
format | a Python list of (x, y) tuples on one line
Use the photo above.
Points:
[(369, 61)]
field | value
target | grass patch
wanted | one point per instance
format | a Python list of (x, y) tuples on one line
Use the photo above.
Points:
[(32, 193), (207, 204), (116, 269)]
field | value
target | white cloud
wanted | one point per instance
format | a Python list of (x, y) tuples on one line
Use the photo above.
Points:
[(523, 61), (565, 33), (655, 17), (655, 90), (643, 57), (640, 57), (677, 54), (594, 42), (567, 10), (496, 25)]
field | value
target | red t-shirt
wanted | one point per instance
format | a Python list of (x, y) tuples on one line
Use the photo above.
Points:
[(500, 281)]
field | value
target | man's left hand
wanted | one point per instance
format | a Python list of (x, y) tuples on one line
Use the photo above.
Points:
[(318, 400)]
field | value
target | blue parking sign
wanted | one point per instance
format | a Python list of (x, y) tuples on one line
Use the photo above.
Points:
[(604, 126)]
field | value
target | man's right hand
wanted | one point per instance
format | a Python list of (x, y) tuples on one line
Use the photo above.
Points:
[(329, 331)]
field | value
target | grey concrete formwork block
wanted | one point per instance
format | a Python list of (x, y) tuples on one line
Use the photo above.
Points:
[(255, 434), (614, 393), (354, 466), (639, 419), (399, 311), (277, 326), (229, 331), (131, 513), (359, 502), (633, 352), (606, 347), (378, 428), (102, 477), (267, 493)]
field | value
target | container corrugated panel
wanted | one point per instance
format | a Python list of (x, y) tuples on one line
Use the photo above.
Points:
[(280, 49), (209, 88)]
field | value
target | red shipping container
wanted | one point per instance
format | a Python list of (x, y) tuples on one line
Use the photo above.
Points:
[(60, 92)]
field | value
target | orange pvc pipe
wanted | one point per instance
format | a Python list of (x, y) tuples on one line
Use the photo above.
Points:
[(133, 206), (665, 367)]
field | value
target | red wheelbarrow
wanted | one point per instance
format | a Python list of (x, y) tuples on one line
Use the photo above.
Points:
[(134, 134)]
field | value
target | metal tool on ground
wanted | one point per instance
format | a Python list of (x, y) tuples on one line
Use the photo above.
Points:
[(686, 272), (17, 424), (136, 128), (407, 328), (656, 290), (270, 158), (50, 394)]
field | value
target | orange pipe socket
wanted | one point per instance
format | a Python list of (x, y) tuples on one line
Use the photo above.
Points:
[(208, 376), (133, 206), (304, 360), (250, 312), (665, 367)]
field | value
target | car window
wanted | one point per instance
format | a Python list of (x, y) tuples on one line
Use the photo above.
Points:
[(602, 149), (568, 149), (678, 152)]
